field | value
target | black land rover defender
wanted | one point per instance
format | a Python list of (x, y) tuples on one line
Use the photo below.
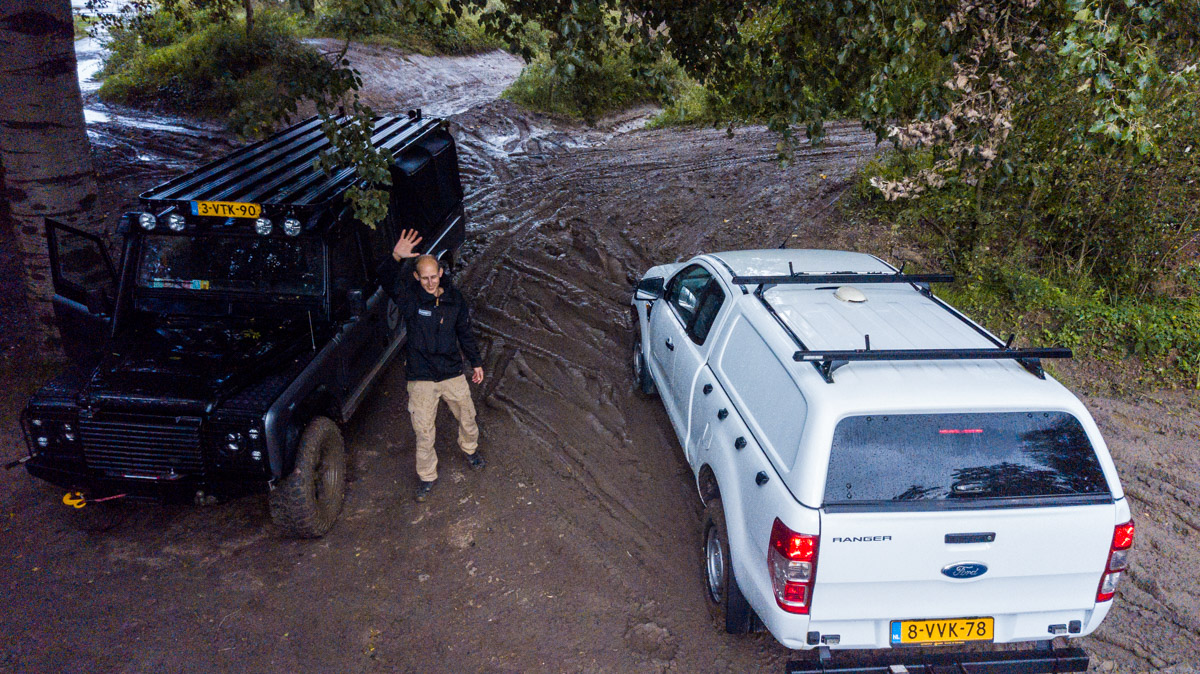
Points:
[(242, 326)]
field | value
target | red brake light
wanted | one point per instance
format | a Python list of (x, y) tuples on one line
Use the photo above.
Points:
[(959, 431), (1118, 560), (792, 563), (1123, 536)]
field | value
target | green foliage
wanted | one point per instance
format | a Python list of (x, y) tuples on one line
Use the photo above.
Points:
[(1070, 241), (1163, 335), (254, 78), (694, 105), (83, 25), (350, 142), (588, 93), (439, 32), (1064, 204)]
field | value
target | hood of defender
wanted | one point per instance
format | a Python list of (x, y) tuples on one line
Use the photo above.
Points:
[(191, 363)]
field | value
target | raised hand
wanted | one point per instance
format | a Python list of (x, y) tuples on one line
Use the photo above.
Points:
[(404, 247)]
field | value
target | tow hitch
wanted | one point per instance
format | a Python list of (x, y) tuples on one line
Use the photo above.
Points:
[(76, 499), (1038, 661)]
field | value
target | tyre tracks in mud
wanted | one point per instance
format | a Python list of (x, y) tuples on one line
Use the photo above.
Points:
[(561, 226), (1155, 622)]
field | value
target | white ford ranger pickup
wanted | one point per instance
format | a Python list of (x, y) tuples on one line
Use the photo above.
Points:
[(878, 471)]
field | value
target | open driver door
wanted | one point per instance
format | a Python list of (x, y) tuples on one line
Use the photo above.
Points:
[(85, 288)]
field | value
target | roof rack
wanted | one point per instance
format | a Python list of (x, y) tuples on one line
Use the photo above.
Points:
[(278, 172), (842, 277), (827, 361), (1030, 359)]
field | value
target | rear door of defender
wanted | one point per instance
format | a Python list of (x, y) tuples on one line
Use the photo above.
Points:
[(85, 288), (956, 527)]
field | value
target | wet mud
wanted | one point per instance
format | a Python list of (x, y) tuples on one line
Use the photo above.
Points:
[(578, 547)]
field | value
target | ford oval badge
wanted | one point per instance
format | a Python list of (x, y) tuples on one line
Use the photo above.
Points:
[(964, 570)]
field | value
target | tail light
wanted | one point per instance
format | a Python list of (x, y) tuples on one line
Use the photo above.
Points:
[(1118, 559), (792, 560)]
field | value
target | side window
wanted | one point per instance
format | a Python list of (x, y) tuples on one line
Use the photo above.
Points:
[(769, 400), (345, 269), (378, 242), (710, 304), (79, 265), (686, 288)]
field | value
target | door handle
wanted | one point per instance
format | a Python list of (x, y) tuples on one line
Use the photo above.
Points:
[(670, 345)]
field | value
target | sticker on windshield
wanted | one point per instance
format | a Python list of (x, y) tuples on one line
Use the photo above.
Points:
[(182, 284)]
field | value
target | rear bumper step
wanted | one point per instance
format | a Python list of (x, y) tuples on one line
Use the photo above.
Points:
[(1072, 659)]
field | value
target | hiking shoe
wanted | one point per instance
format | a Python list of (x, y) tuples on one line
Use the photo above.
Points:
[(476, 460), (423, 490)]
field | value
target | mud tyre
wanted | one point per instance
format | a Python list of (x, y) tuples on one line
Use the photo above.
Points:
[(725, 600), (307, 502), (641, 374)]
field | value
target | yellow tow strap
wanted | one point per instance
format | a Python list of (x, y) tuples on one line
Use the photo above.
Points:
[(74, 499)]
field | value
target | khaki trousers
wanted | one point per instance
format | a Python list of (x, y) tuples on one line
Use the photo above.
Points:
[(423, 397)]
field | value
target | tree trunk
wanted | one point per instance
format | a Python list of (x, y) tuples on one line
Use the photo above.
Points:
[(249, 4), (44, 146)]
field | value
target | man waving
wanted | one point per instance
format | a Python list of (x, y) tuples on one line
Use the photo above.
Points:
[(439, 335)]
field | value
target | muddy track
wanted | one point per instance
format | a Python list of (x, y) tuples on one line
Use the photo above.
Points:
[(578, 548)]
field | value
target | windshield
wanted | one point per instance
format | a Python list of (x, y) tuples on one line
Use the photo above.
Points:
[(960, 457), (216, 262)]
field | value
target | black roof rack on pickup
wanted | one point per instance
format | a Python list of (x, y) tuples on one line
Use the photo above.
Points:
[(827, 361), (278, 172), (844, 277)]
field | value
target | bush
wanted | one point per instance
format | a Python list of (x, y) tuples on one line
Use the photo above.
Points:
[(444, 34), (215, 70), (1159, 339), (1086, 245), (695, 105), (589, 91)]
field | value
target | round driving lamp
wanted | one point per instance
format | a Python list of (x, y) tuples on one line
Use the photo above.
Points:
[(175, 222), (147, 221), (262, 226), (291, 227)]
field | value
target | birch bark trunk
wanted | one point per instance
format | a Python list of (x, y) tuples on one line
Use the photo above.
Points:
[(45, 156)]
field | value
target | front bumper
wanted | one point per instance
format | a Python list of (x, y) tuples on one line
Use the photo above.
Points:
[(183, 489), (921, 661)]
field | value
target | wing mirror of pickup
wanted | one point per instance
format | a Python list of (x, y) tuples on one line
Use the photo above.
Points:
[(649, 289)]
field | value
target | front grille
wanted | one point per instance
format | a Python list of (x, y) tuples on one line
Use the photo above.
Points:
[(134, 444)]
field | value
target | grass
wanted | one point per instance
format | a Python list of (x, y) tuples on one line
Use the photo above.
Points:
[(464, 37), (83, 25)]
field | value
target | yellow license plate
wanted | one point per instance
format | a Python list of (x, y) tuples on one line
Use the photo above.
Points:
[(226, 209), (956, 631)]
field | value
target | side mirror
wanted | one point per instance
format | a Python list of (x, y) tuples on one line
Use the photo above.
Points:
[(649, 289), (354, 300)]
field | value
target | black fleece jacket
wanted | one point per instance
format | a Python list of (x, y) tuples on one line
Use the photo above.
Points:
[(438, 327)]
